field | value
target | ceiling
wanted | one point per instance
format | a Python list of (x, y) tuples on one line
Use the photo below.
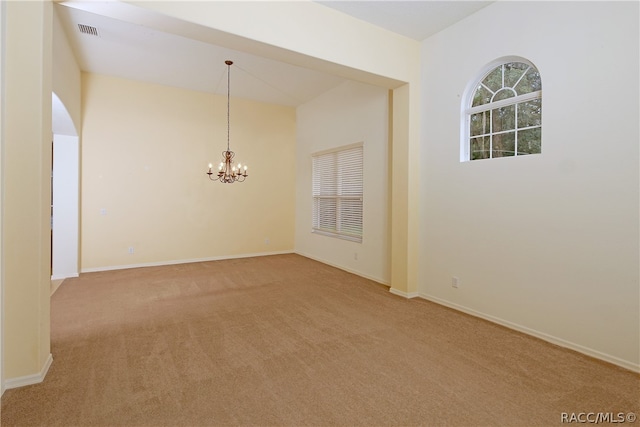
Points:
[(126, 49), (416, 19)]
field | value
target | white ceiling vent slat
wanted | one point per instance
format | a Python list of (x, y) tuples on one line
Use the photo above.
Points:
[(88, 29)]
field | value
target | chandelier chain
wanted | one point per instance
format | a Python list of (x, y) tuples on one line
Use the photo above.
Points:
[(228, 102)]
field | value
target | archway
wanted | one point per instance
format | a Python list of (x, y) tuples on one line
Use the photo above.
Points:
[(65, 188)]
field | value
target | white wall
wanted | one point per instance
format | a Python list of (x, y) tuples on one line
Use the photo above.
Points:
[(545, 243), (2, 43), (352, 112), (66, 206)]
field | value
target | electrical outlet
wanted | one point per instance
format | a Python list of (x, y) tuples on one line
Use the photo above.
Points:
[(455, 282), (131, 250), (266, 241), (355, 256)]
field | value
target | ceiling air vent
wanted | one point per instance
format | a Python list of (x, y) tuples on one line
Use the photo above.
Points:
[(88, 29)]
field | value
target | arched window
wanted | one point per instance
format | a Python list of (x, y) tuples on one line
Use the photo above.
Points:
[(503, 113)]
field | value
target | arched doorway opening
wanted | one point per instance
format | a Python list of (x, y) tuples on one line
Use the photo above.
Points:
[(65, 194)]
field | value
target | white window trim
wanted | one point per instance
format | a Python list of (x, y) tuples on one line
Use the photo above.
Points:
[(505, 102), (466, 110)]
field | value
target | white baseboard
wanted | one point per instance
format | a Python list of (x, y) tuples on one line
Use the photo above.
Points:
[(64, 276), (29, 379), (341, 267), (181, 261), (403, 293), (541, 335)]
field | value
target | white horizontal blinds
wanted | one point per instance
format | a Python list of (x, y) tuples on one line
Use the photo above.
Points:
[(337, 192)]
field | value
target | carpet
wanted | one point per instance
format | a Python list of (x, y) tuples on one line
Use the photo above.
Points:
[(287, 341)]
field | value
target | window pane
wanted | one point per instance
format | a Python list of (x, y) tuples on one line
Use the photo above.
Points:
[(481, 97), (326, 214), (504, 118), (530, 82), (529, 141), (512, 72), (351, 216), (529, 113), (494, 80), (480, 123), (350, 172), (504, 145), (480, 148), (503, 94), (324, 174)]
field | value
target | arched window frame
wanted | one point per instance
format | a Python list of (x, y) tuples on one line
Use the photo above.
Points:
[(467, 110)]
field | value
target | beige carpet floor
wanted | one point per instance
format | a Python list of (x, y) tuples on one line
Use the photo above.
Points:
[(287, 341)]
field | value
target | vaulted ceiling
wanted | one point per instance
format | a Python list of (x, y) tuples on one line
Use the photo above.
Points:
[(113, 46)]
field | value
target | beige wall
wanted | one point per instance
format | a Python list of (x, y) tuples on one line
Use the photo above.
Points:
[(145, 152), (26, 166), (296, 32), (66, 165), (350, 113), (545, 243), (66, 73)]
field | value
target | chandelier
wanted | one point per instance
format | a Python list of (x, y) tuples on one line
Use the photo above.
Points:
[(228, 173)]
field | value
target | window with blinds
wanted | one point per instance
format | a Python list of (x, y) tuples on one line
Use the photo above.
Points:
[(337, 192)]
